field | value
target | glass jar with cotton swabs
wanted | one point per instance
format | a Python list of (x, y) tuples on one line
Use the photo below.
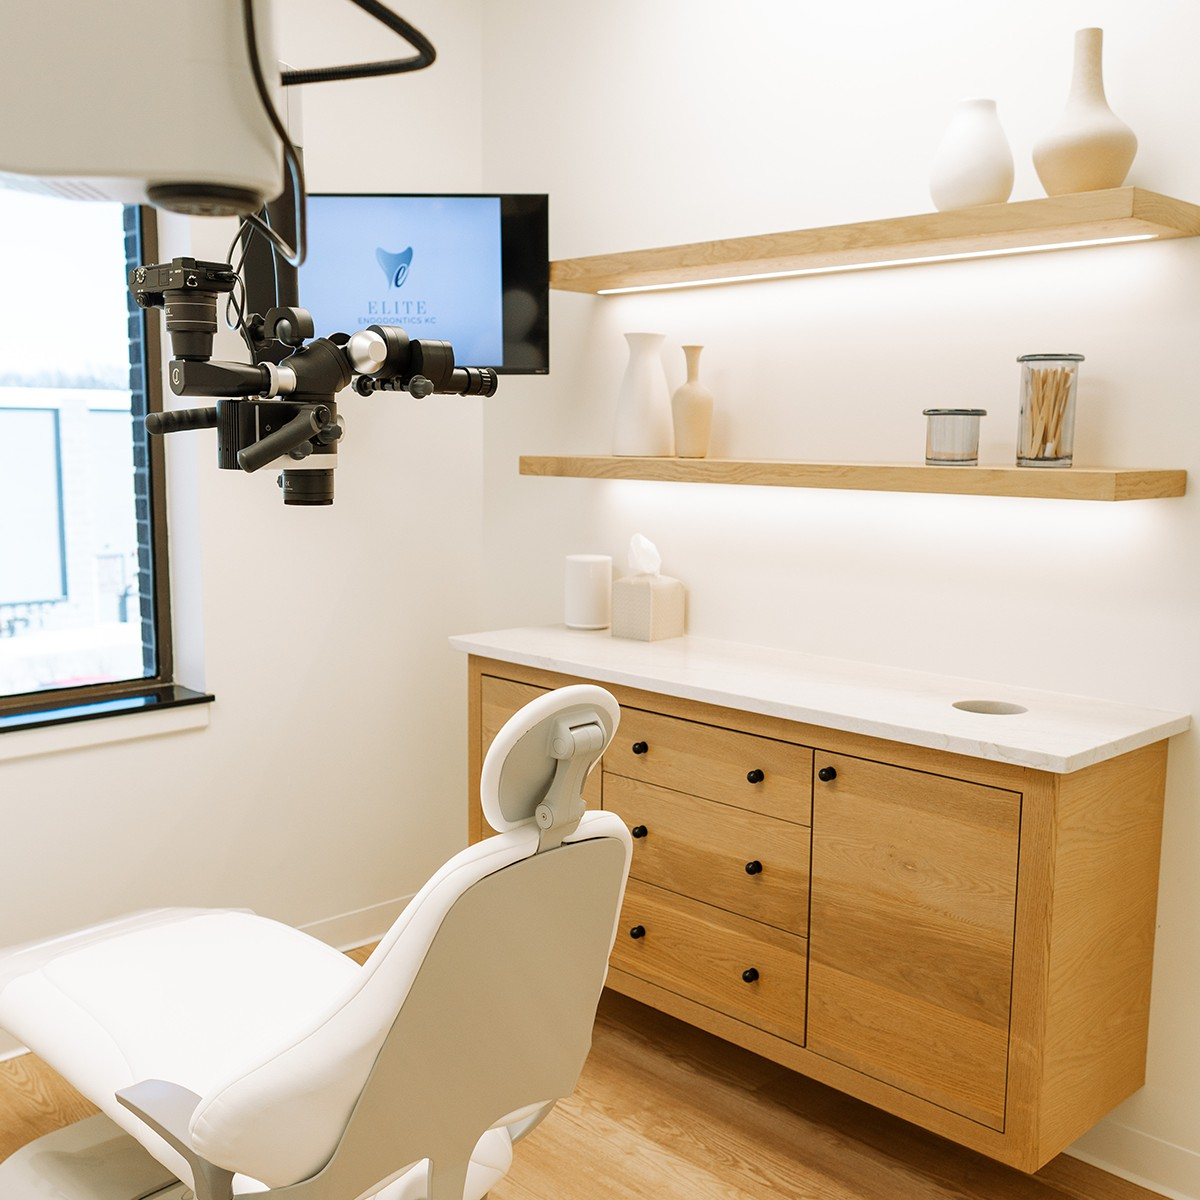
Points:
[(1046, 423)]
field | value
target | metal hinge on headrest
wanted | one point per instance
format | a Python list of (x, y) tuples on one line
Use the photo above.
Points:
[(576, 742)]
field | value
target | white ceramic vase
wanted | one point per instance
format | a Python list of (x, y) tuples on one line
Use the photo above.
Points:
[(973, 164), (1090, 148), (692, 410), (643, 424)]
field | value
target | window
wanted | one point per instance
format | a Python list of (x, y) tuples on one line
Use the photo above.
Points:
[(83, 590)]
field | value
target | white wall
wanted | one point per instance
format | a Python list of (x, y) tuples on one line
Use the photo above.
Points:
[(664, 122), (331, 777)]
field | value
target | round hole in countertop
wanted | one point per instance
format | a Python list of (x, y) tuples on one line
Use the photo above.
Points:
[(992, 708)]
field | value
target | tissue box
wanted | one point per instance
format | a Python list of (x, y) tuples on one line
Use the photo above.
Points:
[(647, 607)]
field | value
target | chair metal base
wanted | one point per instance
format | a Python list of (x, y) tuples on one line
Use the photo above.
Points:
[(93, 1159)]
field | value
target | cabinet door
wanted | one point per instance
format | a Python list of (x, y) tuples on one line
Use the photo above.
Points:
[(914, 880)]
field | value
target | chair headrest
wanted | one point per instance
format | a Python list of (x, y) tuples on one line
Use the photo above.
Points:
[(536, 767)]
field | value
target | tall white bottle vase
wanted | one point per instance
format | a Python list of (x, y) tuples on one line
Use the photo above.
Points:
[(643, 424), (973, 164), (1090, 147), (692, 410)]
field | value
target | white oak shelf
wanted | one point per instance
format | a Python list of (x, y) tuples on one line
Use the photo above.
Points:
[(1071, 483), (1053, 222)]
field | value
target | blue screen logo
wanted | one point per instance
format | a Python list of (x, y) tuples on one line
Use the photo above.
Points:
[(395, 266)]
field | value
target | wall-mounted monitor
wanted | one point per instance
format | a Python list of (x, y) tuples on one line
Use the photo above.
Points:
[(471, 270)]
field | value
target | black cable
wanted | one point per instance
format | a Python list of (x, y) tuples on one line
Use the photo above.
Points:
[(293, 257), (238, 306), (425, 53)]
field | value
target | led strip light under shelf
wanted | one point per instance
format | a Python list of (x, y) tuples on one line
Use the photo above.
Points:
[(875, 265)]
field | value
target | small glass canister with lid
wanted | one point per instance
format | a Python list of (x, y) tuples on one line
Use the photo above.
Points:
[(952, 436), (1046, 423)]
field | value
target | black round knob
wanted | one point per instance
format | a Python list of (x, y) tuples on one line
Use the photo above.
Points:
[(639, 747), (638, 931), (827, 774), (750, 974), (754, 867), (639, 831), (755, 776)]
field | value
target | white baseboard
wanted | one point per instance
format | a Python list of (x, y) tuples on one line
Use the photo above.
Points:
[(1141, 1158), (356, 928), (343, 932)]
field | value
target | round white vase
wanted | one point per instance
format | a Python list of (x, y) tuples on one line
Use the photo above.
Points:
[(692, 410), (1090, 147), (973, 164), (643, 424)]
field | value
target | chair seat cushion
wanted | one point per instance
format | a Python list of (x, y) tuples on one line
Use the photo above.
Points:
[(113, 1005)]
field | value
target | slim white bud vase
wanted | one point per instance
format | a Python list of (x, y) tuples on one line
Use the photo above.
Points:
[(692, 410), (1090, 147), (643, 424), (973, 164)]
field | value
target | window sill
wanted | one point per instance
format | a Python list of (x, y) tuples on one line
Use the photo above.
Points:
[(151, 713)]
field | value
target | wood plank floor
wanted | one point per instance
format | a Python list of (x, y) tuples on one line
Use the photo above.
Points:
[(667, 1112)]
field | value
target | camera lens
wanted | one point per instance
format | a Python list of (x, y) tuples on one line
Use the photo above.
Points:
[(191, 322), (307, 487), (474, 381)]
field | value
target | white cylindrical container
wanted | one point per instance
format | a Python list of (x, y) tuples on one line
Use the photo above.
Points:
[(587, 591)]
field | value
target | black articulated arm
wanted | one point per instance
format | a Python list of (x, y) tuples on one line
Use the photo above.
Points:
[(281, 408), (167, 1108)]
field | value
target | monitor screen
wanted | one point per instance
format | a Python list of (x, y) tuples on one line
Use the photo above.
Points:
[(470, 270)]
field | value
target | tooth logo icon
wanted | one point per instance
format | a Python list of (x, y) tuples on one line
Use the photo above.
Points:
[(395, 266)]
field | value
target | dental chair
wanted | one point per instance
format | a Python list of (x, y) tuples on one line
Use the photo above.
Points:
[(230, 1054)]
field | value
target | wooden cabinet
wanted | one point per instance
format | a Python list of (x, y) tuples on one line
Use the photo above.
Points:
[(962, 942)]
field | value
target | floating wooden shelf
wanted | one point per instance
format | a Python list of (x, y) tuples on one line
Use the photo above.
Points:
[(1072, 483), (1057, 222)]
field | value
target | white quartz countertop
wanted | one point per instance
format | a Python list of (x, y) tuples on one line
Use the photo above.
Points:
[(1058, 733)]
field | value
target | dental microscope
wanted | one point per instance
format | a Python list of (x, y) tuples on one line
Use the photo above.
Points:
[(282, 406)]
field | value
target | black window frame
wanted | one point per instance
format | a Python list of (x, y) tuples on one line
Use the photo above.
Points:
[(157, 687)]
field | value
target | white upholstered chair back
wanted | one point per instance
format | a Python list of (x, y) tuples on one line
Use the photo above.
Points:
[(475, 1010)]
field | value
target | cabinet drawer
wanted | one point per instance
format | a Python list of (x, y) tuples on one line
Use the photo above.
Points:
[(702, 953), (742, 769), (500, 698), (703, 850)]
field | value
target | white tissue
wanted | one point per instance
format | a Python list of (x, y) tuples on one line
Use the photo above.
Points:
[(644, 558)]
